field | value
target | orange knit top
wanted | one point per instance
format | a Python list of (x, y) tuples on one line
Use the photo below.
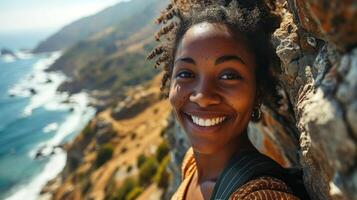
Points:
[(262, 188)]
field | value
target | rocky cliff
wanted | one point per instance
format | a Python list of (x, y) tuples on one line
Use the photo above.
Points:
[(116, 158), (317, 46)]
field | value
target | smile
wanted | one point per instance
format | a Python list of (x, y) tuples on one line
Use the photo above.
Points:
[(207, 122)]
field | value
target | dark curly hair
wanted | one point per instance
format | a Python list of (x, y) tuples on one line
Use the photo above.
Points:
[(253, 19)]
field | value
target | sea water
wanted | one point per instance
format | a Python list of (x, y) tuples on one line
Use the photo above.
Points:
[(35, 117)]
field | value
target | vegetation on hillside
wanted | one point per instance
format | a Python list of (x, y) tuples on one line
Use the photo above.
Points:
[(113, 58)]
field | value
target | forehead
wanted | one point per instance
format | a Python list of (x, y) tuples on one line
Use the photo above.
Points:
[(212, 40)]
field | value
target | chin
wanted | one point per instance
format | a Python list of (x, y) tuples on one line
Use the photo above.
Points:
[(204, 147)]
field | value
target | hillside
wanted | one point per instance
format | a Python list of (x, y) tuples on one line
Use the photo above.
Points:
[(112, 158), (85, 27), (113, 58)]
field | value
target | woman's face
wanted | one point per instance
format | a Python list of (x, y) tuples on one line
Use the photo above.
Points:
[(213, 86)]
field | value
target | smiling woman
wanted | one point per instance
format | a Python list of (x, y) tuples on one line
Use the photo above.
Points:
[(217, 58), (212, 89)]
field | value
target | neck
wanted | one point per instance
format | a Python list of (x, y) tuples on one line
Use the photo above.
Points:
[(209, 166)]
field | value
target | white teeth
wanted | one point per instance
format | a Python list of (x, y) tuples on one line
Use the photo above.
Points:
[(207, 122), (201, 122)]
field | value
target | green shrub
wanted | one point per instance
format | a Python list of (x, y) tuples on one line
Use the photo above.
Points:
[(87, 131), (162, 176), (128, 185), (86, 185), (128, 170), (162, 150), (141, 160), (134, 193), (147, 171), (104, 154)]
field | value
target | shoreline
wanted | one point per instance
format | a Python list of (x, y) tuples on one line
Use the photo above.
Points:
[(47, 97)]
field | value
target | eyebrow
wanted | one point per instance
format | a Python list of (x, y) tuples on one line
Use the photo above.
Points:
[(219, 60), (226, 58), (186, 59)]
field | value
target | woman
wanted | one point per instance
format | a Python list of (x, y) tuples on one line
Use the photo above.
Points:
[(216, 58)]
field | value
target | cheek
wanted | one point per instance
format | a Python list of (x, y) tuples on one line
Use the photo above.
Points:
[(177, 96), (242, 99)]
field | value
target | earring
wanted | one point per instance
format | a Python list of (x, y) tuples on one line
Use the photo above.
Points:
[(256, 114)]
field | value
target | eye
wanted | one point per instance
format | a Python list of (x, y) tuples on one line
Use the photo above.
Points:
[(230, 76), (184, 74)]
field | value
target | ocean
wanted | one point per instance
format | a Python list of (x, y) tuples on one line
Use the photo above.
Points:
[(35, 120)]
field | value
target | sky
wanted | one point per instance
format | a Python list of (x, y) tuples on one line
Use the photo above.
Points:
[(45, 15)]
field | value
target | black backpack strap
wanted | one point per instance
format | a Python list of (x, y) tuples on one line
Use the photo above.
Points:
[(294, 178), (242, 168)]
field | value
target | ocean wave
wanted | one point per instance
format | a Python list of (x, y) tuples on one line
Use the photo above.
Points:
[(80, 115), (45, 93), (50, 171), (50, 127), (23, 55), (73, 124), (47, 97), (8, 58), (17, 55), (39, 85)]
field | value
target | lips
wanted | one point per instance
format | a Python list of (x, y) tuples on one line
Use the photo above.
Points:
[(205, 122)]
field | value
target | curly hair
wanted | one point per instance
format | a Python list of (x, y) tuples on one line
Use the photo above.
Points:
[(253, 19)]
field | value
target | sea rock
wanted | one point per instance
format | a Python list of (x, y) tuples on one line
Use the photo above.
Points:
[(7, 52), (48, 80), (33, 91), (38, 154)]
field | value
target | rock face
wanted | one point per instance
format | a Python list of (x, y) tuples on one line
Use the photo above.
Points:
[(5, 51), (331, 20), (316, 44), (179, 143)]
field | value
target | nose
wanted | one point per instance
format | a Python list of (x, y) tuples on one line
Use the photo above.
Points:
[(204, 95)]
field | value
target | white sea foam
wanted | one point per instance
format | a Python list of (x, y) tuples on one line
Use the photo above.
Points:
[(47, 98), (32, 190), (50, 127), (73, 124), (45, 93), (80, 115), (8, 58), (23, 55), (40, 85)]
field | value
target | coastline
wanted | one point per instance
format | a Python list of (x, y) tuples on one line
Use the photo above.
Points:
[(46, 96)]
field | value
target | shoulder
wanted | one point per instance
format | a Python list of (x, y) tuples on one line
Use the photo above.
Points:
[(188, 163), (264, 188)]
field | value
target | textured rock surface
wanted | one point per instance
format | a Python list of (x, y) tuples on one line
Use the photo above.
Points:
[(316, 46), (332, 20), (179, 145)]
